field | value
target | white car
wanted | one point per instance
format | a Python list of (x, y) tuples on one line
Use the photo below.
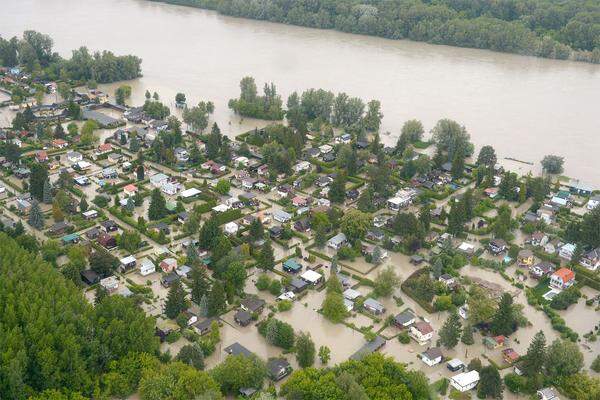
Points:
[(287, 296)]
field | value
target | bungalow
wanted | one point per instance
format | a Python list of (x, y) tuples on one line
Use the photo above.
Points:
[(337, 241), (203, 327), (107, 241), (109, 173), (593, 203), (375, 234), (546, 214), (110, 284), (248, 183), (466, 248), (494, 342), (405, 319), (581, 188), (324, 149), (242, 317), (492, 193), (170, 188), (168, 264), (278, 368), (59, 143), (373, 306), (465, 381), (525, 258), (127, 263), (104, 148), (89, 277), (302, 225), (369, 348), (147, 267), (157, 180), (189, 193), (181, 155), (130, 190), (447, 280), (547, 394), (351, 294), (183, 270), (421, 332), (299, 201), (41, 156), (311, 277), (562, 279), (323, 181), (292, 266), (302, 166), (591, 259), (74, 156), (253, 304), (231, 228), (538, 239), (93, 233), (169, 279), (396, 203), (497, 246), (237, 349), (59, 228), (89, 214), (284, 191), (81, 165), (510, 356), (297, 285), (432, 356), (109, 226), (567, 251), (281, 216), (541, 269), (275, 231), (71, 238)]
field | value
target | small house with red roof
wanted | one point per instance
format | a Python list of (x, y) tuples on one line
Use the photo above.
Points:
[(60, 143), (104, 148), (130, 190), (41, 156), (421, 331)]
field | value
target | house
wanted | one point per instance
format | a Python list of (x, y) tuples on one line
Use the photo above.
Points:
[(405, 319), (237, 349), (432, 356), (127, 263), (170, 188), (89, 277), (130, 190), (278, 368), (567, 251), (41, 156), (107, 241), (373, 306), (302, 225), (89, 214), (168, 264), (297, 285), (157, 180), (421, 332), (447, 280), (104, 148), (284, 191), (59, 143), (369, 348), (538, 239), (109, 226), (525, 258), (252, 304), (242, 317), (281, 216), (547, 394), (299, 201), (59, 228), (71, 238), (181, 154), (203, 327), (465, 381), (147, 267), (593, 203), (93, 233), (311, 277), (497, 246), (510, 356), (351, 294), (494, 342), (591, 259), (189, 193), (169, 279), (292, 266), (74, 157), (323, 181), (546, 214), (466, 248), (302, 166), (231, 228), (324, 149), (455, 364), (110, 284), (541, 269), (248, 183), (183, 270), (580, 188), (337, 241), (562, 279)]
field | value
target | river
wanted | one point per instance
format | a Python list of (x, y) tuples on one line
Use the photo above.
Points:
[(525, 107)]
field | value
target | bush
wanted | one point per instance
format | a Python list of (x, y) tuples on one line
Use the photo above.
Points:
[(284, 305), (404, 338), (173, 336), (596, 364), (263, 282), (443, 303), (275, 287)]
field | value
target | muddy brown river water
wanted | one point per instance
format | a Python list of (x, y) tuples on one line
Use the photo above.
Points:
[(525, 107)]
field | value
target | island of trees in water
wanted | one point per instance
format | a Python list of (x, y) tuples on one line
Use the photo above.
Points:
[(34, 51), (543, 28)]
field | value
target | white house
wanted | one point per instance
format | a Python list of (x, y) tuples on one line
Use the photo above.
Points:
[(591, 259), (231, 228), (325, 149), (566, 251), (157, 180), (110, 284), (147, 267), (282, 216), (74, 156), (593, 203), (170, 188), (191, 192), (312, 277), (432, 356), (465, 381), (421, 332), (562, 279), (337, 241), (351, 294), (302, 166)]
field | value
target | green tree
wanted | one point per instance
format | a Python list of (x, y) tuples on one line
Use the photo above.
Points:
[(37, 180), (266, 258), (487, 157), (209, 233), (216, 300), (305, 350), (504, 321), (333, 307), (158, 206), (176, 302), (36, 218), (324, 355), (122, 93), (191, 354), (354, 224), (337, 190), (467, 335), (563, 358), (553, 164), (239, 371), (490, 383), (47, 192), (386, 282), (223, 186), (535, 358), (451, 330)]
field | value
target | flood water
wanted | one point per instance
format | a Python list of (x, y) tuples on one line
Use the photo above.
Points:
[(525, 107)]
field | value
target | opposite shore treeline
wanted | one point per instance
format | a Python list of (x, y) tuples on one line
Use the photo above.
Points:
[(542, 28)]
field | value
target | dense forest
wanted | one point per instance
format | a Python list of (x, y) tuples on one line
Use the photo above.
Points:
[(544, 28), (34, 52)]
